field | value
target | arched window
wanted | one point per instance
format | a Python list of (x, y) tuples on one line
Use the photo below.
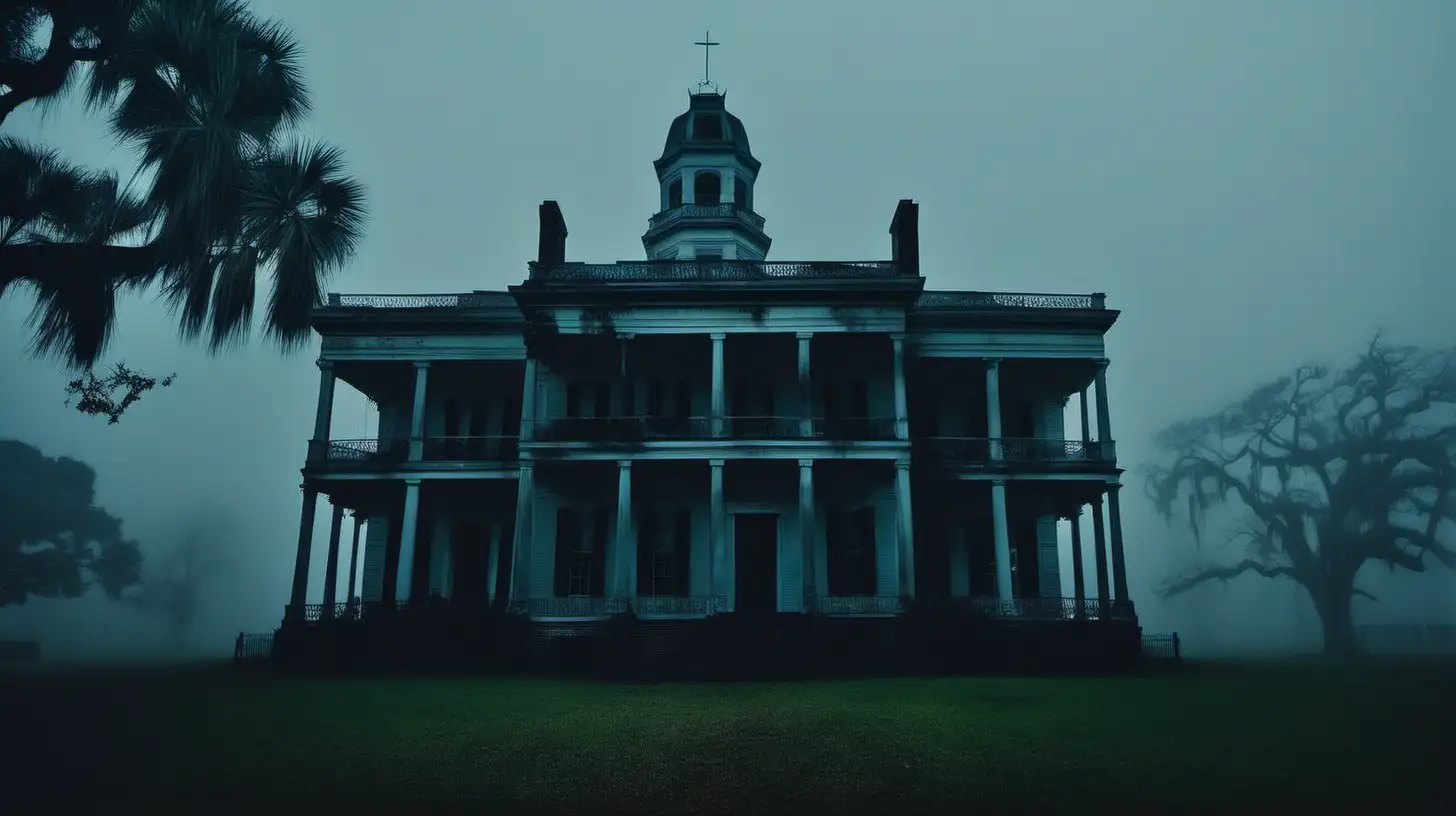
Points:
[(674, 194), (740, 194), (707, 187)]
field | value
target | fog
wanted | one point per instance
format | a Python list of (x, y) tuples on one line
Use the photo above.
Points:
[(1254, 185)]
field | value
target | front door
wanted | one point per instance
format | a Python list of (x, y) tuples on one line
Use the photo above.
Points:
[(755, 562)]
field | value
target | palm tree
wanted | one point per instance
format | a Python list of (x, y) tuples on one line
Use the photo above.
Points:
[(211, 95)]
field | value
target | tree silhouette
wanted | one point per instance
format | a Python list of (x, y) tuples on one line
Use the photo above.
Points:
[(210, 95), (1333, 471), (54, 541)]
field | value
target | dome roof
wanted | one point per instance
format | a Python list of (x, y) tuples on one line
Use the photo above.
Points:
[(707, 127)]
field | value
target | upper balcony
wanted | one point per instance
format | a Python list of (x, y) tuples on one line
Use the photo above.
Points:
[(669, 271), (430, 453), (729, 428), (968, 454)]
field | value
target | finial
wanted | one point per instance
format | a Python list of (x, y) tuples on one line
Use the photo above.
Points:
[(707, 44)]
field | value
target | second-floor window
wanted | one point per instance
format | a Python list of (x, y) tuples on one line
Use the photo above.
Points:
[(847, 399), (588, 399)]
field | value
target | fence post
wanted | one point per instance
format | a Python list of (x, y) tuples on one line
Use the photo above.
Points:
[(1177, 648)]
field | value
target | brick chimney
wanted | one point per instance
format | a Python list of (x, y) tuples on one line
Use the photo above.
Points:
[(905, 237), (552, 248)]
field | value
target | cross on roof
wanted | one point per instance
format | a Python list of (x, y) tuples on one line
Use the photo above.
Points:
[(707, 44)]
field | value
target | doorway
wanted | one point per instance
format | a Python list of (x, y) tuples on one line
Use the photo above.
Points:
[(755, 563)]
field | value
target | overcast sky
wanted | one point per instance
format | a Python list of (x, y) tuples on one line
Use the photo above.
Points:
[(1253, 183)]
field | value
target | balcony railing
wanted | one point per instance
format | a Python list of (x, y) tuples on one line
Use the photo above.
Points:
[(971, 301), (1047, 608), (764, 427), (859, 605), (645, 429), (667, 271), (858, 429), (582, 607), (963, 451), (470, 449), (359, 451), (706, 211), (463, 300)]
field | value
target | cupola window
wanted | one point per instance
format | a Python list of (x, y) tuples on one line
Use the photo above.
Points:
[(707, 188), (674, 194), (708, 127)]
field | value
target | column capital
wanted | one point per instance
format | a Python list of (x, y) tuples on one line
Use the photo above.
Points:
[(898, 337), (806, 463), (717, 337), (998, 482), (717, 463), (803, 335), (527, 466), (422, 364), (902, 464), (992, 362), (624, 464), (324, 365), (1113, 487), (411, 482), (1103, 363), (626, 335)]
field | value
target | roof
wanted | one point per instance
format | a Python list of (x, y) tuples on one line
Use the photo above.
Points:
[(690, 132)]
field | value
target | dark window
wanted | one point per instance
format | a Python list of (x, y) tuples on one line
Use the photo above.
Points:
[(740, 193), (598, 583), (709, 254), (707, 127), (602, 400), (573, 399), (850, 539), (682, 546), (707, 188), (453, 417), (654, 398), (573, 562), (684, 398), (479, 418), (859, 399), (674, 194)]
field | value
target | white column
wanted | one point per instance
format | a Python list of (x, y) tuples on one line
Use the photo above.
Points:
[(1104, 423), (299, 596), (1119, 566), (331, 562), (492, 560), (902, 413), (417, 415), (718, 407), (1079, 571), (1002, 534), (806, 391), (993, 406), (626, 547), (404, 574), (807, 530), (354, 559), (905, 529), (520, 587), (324, 417), (717, 539), (528, 402)]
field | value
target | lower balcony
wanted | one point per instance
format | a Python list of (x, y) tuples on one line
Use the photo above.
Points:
[(859, 605), (647, 429), (598, 607), (1045, 608)]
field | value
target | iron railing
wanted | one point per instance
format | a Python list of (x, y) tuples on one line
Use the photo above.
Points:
[(598, 607), (854, 428), (1045, 608), (251, 647), (470, 449), (740, 271), (659, 605), (955, 301), (690, 211), (858, 605), (764, 427), (1163, 648), (462, 300), (363, 451), (971, 450)]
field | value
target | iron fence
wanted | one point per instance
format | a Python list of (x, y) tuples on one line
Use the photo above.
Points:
[(1162, 647), (253, 647)]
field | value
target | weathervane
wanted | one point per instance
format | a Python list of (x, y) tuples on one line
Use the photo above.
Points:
[(707, 44)]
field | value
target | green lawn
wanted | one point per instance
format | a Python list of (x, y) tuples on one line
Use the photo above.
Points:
[(1340, 737)]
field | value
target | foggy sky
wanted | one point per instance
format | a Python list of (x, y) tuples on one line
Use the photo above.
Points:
[(1254, 184)]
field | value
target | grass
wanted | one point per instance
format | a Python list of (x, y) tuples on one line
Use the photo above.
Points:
[(1346, 738)]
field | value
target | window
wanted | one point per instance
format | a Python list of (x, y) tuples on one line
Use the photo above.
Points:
[(707, 127), (707, 188), (850, 540), (740, 193), (674, 194), (664, 538), (654, 398), (709, 254), (602, 400), (581, 553), (573, 399)]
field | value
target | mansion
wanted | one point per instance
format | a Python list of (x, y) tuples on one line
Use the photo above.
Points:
[(708, 433)]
